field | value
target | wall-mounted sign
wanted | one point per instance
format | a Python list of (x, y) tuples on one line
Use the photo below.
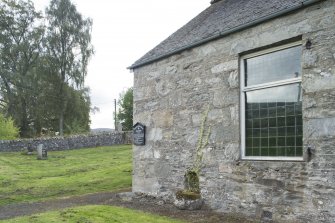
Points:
[(139, 134)]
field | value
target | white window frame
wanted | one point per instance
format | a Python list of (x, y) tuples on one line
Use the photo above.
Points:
[(243, 91)]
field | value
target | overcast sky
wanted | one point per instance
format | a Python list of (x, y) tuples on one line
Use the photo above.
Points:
[(123, 31)]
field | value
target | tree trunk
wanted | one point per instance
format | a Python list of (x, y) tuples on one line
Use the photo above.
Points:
[(24, 128), (62, 103), (62, 110), (61, 123)]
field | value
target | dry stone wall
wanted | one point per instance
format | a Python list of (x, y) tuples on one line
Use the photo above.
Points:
[(170, 95), (66, 143)]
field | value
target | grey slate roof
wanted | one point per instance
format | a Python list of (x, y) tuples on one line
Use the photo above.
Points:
[(218, 19)]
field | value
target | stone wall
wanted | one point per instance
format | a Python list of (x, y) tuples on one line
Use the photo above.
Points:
[(170, 95), (66, 143)]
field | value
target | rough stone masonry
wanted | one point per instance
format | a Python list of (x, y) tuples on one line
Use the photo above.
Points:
[(171, 94)]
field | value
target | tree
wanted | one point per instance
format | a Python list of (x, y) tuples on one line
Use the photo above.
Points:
[(46, 104), (77, 116), (21, 34), (8, 130), (125, 114), (68, 43), (42, 73)]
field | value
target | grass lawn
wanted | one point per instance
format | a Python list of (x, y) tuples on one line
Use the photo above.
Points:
[(96, 214), (65, 173)]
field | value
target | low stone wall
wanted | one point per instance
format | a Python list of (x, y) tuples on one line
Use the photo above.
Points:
[(66, 143)]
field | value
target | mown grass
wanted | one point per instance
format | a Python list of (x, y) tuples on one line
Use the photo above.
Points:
[(65, 173), (96, 214)]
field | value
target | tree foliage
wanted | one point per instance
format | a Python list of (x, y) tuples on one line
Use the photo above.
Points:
[(8, 130), (43, 64), (20, 47), (125, 114), (68, 47), (77, 112)]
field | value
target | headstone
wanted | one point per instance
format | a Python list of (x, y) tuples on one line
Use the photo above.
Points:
[(119, 127), (30, 149), (139, 134), (42, 153)]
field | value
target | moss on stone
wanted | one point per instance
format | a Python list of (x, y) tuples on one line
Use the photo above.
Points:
[(192, 181), (187, 195)]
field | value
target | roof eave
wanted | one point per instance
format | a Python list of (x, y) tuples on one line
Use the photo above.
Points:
[(228, 32)]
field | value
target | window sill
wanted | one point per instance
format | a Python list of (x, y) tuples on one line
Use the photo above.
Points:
[(271, 158)]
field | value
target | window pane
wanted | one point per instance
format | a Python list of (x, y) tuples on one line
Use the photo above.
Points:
[(279, 65), (277, 128)]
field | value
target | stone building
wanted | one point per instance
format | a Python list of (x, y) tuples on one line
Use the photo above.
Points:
[(266, 70)]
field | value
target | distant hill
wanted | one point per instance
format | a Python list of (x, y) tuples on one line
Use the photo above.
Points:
[(101, 130)]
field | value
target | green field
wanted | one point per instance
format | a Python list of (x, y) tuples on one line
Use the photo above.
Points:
[(96, 214), (66, 173)]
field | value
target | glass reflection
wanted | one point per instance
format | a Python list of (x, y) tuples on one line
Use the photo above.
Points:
[(275, 66), (274, 121)]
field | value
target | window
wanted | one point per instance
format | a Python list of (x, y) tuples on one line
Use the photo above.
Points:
[(271, 104)]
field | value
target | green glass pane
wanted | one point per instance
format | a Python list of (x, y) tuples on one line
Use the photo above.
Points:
[(281, 104), (248, 114), (298, 151), (255, 113), (290, 141), (273, 131), (249, 123), (281, 151), (281, 141), (248, 151), (281, 121), (281, 111), (256, 142), (299, 120), (298, 108), (256, 152), (273, 141), (290, 121), (256, 123), (264, 151), (272, 125), (272, 112), (299, 130), (264, 113), (264, 122), (263, 105), (272, 151), (298, 141), (289, 110), (249, 132), (264, 132), (290, 131), (255, 106), (249, 142), (264, 142), (272, 122), (281, 131), (290, 151), (256, 133)]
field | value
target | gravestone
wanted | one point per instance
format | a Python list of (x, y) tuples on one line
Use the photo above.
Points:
[(139, 134), (30, 149), (42, 153)]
